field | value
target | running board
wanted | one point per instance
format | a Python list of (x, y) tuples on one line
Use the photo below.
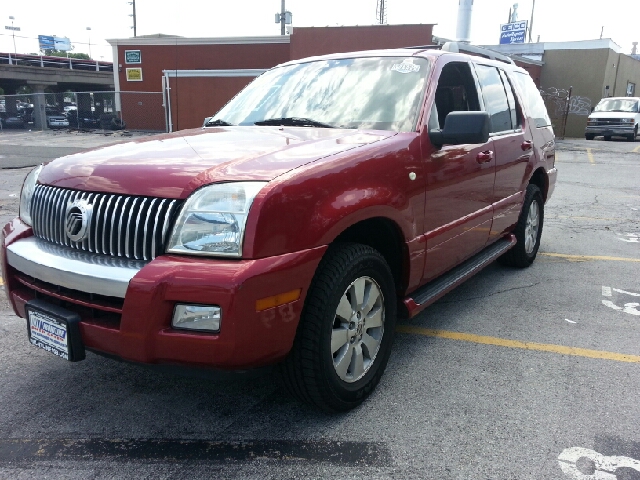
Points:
[(432, 291)]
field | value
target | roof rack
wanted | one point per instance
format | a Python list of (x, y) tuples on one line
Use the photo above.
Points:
[(457, 47)]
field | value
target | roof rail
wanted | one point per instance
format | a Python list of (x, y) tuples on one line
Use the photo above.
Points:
[(458, 47)]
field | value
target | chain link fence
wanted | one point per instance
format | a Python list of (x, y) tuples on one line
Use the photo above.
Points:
[(134, 111)]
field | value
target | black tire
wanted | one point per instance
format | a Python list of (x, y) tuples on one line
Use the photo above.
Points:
[(519, 256), (632, 137), (589, 136), (309, 372), (607, 138)]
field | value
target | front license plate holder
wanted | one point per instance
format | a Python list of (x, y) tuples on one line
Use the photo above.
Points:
[(55, 329)]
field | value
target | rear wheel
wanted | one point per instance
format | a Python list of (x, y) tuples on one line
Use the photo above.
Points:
[(607, 138), (589, 136), (528, 230), (346, 330)]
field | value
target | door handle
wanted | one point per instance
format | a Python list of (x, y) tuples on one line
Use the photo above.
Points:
[(484, 157), (526, 145)]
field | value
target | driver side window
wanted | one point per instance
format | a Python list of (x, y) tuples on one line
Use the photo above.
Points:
[(456, 92)]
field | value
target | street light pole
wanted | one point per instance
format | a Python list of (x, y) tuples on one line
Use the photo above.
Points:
[(13, 34), (89, 29)]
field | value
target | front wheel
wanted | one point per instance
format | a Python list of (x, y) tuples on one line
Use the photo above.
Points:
[(528, 230), (589, 136), (346, 330), (632, 137)]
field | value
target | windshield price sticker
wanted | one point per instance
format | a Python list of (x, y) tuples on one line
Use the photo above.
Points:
[(407, 66), (48, 333)]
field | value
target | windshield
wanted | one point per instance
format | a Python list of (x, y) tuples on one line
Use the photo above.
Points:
[(363, 93), (617, 105)]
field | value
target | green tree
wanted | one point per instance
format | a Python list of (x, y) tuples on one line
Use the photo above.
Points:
[(61, 53)]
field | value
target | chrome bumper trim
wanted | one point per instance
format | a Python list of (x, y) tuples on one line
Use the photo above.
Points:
[(70, 268)]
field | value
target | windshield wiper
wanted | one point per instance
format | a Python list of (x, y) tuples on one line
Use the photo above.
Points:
[(293, 122), (218, 123)]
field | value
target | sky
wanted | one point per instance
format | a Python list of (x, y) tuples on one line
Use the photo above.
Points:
[(554, 20)]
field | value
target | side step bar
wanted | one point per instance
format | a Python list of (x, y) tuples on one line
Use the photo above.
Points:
[(432, 291)]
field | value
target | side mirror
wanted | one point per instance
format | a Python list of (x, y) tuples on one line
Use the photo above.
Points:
[(461, 128), (592, 109), (206, 120)]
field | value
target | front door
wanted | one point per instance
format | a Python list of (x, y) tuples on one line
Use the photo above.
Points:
[(460, 178)]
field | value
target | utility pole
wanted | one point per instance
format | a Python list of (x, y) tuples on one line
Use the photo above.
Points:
[(531, 22), (133, 4), (284, 18), (381, 13)]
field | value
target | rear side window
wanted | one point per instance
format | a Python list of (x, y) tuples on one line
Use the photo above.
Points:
[(532, 99), (495, 98), (516, 118)]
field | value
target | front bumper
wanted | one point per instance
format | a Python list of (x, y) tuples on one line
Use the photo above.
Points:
[(126, 307), (610, 130)]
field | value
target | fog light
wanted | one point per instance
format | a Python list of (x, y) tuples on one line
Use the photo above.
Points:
[(196, 317)]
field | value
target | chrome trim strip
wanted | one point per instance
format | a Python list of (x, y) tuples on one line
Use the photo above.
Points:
[(112, 235), (155, 229), (77, 270), (124, 209)]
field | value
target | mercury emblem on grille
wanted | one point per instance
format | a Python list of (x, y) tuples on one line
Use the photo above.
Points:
[(77, 220)]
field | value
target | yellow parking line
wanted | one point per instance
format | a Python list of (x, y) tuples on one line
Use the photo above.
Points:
[(636, 150), (584, 258), (503, 342), (588, 218), (1, 282), (590, 156)]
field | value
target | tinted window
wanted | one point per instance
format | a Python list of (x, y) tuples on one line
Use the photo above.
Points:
[(495, 98), (456, 92), (516, 120), (532, 99)]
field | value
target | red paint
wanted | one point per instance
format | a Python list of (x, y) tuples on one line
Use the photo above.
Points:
[(447, 204)]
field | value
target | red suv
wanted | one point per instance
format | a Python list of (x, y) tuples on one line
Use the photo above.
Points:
[(328, 198)]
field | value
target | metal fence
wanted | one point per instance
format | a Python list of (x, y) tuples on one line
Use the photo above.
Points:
[(136, 111)]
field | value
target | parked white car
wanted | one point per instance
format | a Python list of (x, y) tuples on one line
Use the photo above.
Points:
[(614, 116)]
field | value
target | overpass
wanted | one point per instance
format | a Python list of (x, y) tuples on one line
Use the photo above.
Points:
[(54, 73)]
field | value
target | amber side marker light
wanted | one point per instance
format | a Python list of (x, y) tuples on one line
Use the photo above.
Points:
[(277, 300)]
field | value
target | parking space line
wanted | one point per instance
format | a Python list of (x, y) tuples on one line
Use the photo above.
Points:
[(604, 219), (636, 150), (590, 156), (584, 258), (503, 342)]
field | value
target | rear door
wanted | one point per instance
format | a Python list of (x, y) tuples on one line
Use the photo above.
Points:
[(513, 146)]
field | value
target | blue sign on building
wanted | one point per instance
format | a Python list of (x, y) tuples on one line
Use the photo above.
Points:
[(515, 32)]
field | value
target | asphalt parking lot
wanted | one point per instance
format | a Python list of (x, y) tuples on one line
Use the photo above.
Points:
[(517, 374)]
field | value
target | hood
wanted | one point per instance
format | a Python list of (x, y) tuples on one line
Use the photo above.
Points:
[(174, 165)]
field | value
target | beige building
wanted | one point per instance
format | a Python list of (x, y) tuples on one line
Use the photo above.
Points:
[(593, 68)]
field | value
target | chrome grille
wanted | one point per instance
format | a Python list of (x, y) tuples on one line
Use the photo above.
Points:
[(121, 225)]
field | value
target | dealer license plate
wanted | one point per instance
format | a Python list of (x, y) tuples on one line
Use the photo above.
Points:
[(55, 330)]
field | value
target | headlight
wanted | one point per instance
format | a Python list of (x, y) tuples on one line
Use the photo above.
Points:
[(592, 121), (28, 188), (212, 220), (627, 120)]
